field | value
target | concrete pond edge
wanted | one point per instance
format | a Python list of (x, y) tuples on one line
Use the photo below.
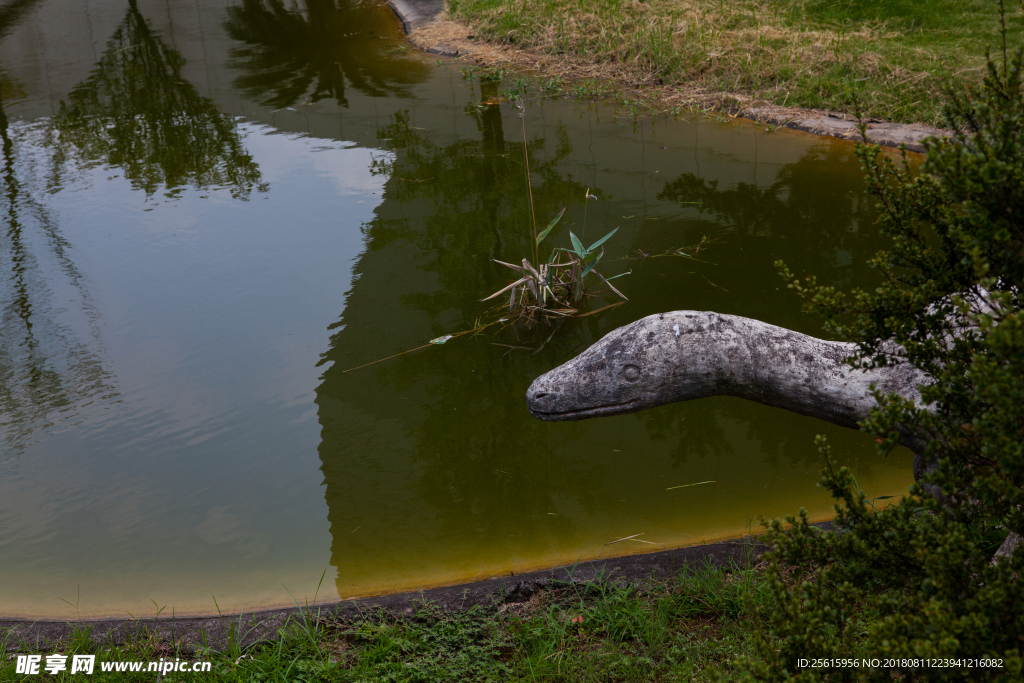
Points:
[(188, 634), (417, 14)]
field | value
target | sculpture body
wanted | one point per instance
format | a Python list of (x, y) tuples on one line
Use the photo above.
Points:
[(684, 355)]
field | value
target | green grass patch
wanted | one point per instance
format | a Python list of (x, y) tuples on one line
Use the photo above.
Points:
[(676, 630), (896, 57)]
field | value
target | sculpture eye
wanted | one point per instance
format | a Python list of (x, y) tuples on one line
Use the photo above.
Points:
[(631, 373)]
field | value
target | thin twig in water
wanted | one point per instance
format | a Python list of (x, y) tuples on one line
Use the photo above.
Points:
[(713, 284), (628, 538), (521, 106), (683, 486), (603, 308), (544, 343), (476, 329)]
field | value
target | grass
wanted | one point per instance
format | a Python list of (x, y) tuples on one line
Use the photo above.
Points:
[(677, 630), (895, 57)]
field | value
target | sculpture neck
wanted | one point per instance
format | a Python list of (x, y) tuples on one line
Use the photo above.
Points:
[(783, 368)]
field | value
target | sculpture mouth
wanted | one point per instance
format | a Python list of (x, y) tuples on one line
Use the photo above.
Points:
[(587, 413)]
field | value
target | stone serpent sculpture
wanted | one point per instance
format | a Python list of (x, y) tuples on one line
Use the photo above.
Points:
[(685, 355)]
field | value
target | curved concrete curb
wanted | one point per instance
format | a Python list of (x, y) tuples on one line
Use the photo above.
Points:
[(248, 628), (416, 13), (845, 127)]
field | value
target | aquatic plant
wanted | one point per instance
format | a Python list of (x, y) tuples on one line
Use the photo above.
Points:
[(557, 288), (563, 282)]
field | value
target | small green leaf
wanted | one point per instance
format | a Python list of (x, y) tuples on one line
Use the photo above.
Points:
[(550, 225), (601, 241), (577, 245), (592, 264)]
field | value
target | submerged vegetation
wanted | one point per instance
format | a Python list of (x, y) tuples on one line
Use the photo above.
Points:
[(563, 282), (897, 58), (557, 287)]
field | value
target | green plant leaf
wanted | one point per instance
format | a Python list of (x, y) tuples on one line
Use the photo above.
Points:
[(550, 225), (577, 245), (601, 241), (592, 264)]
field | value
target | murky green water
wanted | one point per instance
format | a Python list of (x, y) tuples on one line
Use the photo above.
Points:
[(213, 209)]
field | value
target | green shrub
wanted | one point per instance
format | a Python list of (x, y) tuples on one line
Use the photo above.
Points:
[(916, 579)]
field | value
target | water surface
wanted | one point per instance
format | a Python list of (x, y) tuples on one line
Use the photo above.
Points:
[(213, 210)]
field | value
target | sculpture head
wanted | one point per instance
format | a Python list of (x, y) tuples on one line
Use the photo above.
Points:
[(632, 368)]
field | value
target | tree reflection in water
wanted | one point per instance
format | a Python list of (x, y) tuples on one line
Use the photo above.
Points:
[(809, 201), (291, 53), (43, 367), (433, 447), (12, 13), (136, 111)]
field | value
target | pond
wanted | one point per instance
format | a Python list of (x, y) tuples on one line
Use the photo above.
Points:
[(214, 210)]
